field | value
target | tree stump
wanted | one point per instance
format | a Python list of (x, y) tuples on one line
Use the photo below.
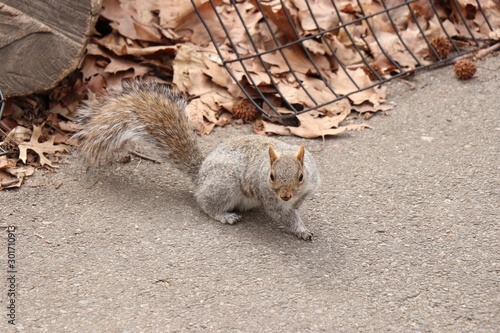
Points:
[(42, 41)]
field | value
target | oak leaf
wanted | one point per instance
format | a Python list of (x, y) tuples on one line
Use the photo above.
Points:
[(40, 148)]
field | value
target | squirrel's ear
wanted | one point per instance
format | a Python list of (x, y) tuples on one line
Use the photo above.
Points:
[(273, 155), (300, 154)]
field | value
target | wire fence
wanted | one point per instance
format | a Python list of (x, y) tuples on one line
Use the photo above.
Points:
[(467, 31), (2, 105)]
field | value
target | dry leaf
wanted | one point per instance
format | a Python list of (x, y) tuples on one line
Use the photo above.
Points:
[(40, 149), (18, 134), (314, 124), (130, 21), (6, 162), (147, 35), (201, 118), (21, 171), (186, 60), (14, 176), (8, 181), (69, 126)]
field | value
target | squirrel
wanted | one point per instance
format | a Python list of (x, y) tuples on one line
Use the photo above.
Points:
[(240, 174)]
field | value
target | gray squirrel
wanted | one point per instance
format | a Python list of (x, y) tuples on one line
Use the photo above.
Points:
[(240, 174)]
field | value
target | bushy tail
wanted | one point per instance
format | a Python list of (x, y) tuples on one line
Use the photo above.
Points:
[(142, 112)]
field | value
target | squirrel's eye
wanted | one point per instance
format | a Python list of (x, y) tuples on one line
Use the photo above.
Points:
[(301, 177), (272, 177)]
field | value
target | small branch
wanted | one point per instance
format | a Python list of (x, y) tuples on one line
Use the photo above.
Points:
[(90, 186), (145, 157)]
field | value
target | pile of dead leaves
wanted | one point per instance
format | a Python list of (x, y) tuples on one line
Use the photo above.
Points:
[(32, 144), (166, 41), (169, 40)]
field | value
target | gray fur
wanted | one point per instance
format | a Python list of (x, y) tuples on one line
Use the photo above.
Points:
[(235, 177)]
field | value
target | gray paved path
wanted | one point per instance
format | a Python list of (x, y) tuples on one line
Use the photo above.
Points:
[(406, 219)]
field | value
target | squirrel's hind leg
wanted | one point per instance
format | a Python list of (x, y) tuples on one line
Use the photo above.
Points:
[(218, 207)]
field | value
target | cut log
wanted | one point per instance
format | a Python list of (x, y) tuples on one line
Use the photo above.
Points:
[(42, 41)]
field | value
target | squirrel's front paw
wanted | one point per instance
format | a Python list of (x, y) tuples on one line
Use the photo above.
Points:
[(304, 234), (230, 218)]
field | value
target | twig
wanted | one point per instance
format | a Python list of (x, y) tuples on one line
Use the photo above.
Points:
[(145, 157), (408, 83), (43, 238), (492, 48), (7, 136), (58, 130), (322, 146), (89, 187), (37, 185)]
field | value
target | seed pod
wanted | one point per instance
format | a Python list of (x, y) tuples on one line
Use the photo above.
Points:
[(442, 46), (465, 69), (245, 110)]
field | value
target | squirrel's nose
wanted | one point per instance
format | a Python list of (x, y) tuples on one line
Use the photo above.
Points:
[(285, 197)]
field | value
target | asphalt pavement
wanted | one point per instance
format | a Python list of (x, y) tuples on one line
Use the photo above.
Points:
[(406, 225)]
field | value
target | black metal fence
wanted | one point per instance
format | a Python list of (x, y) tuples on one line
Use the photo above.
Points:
[(418, 13)]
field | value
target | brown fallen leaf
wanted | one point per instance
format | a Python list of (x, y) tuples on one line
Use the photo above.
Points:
[(187, 60), (200, 116), (9, 181), (369, 107), (40, 148), (274, 128), (344, 84), (122, 65), (69, 126), (313, 124), (14, 176), (18, 134), (6, 162), (168, 40), (132, 20)]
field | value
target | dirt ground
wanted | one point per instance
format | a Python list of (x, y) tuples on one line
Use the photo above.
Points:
[(406, 223)]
